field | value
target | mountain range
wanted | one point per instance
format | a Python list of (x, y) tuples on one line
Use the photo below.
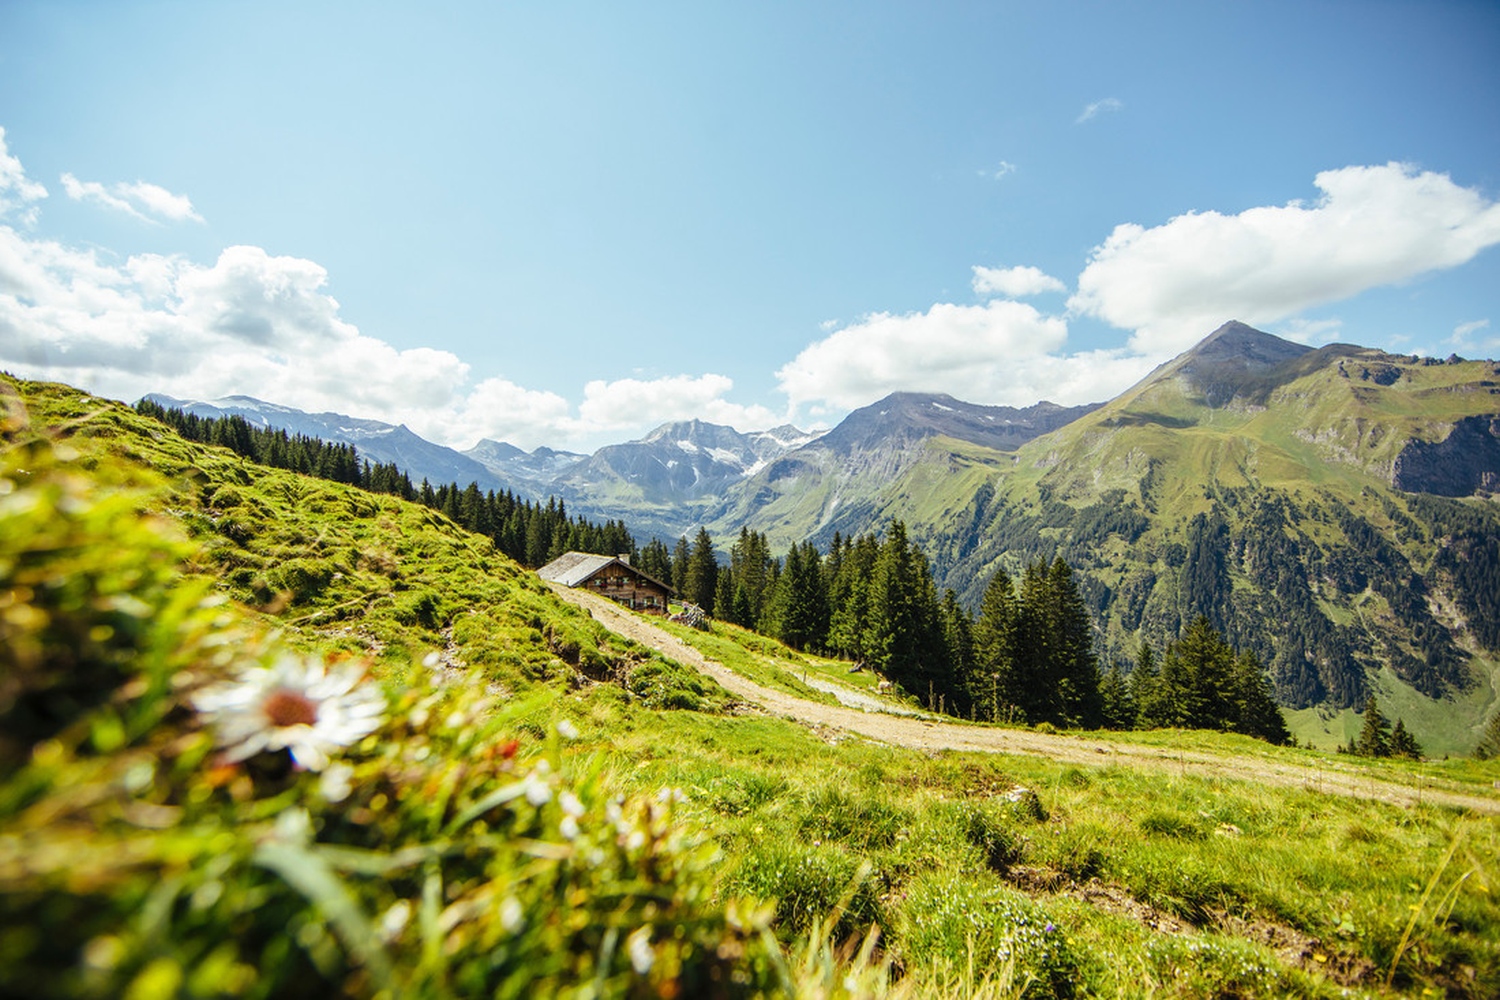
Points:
[(1329, 509)]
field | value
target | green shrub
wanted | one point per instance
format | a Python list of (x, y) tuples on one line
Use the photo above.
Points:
[(302, 578), (950, 920), (1175, 825), (808, 884), (419, 607), (1216, 967), (863, 820), (660, 683), (743, 792), (983, 825)]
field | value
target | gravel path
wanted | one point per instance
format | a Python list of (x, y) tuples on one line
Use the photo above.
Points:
[(1329, 777)]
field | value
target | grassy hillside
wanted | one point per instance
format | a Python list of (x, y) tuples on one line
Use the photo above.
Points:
[(544, 809)]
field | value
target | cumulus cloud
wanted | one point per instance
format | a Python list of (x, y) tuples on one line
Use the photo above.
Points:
[(619, 404), (969, 351), (1092, 111), (18, 193), (264, 325), (1015, 282), (1372, 226), (147, 202)]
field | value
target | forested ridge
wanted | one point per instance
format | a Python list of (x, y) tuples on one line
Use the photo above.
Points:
[(530, 533)]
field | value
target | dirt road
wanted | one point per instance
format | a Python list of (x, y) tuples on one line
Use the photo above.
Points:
[(1328, 777)]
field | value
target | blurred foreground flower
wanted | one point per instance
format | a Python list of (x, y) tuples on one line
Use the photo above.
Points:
[(298, 704)]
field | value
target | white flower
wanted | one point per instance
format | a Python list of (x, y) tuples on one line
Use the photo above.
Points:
[(568, 828), (638, 945), (570, 804), (335, 784), (538, 793), (297, 704), (293, 826), (511, 914), (394, 920), (566, 729)]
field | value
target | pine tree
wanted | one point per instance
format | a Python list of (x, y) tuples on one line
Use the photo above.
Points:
[(902, 638), (1257, 712), (681, 556), (1375, 736), (702, 572), (1151, 708), (724, 596), (995, 649), (656, 561), (1204, 669), (1404, 744), (1117, 702), (958, 639), (1489, 743), (1072, 668)]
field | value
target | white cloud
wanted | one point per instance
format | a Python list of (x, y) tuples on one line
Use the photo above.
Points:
[(620, 404), (264, 325), (1004, 170), (17, 191), (147, 202), (1314, 331), (1474, 336), (1015, 282), (970, 351), (1174, 283), (1092, 111)]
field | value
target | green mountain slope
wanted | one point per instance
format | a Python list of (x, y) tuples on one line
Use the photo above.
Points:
[(1255, 482), (1328, 508)]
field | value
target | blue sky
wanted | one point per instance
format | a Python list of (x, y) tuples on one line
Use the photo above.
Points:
[(566, 223)]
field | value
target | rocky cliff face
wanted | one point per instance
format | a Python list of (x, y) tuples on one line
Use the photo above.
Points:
[(1466, 462)]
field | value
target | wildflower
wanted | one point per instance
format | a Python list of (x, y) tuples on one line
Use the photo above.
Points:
[(336, 782), (293, 826), (511, 914), (566, 729), (638, 946), (393, 922), (297, 704), (568, 828), (538, 793), (570, 804)]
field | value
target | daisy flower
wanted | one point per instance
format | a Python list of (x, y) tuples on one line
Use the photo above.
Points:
[(296, 704)]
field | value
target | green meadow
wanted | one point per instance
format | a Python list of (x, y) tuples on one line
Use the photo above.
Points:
[(542, 808)]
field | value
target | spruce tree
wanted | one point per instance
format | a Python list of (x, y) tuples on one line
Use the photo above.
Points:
[(1073, 667), (724, 596), (994, 648), (681, 556), (1489, 742), (958, 639), (1117, 702), (902, 637), (656, 561), (1151, 708), (1404, 744), (702, 572), (1258, 714), (1375, 736)]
